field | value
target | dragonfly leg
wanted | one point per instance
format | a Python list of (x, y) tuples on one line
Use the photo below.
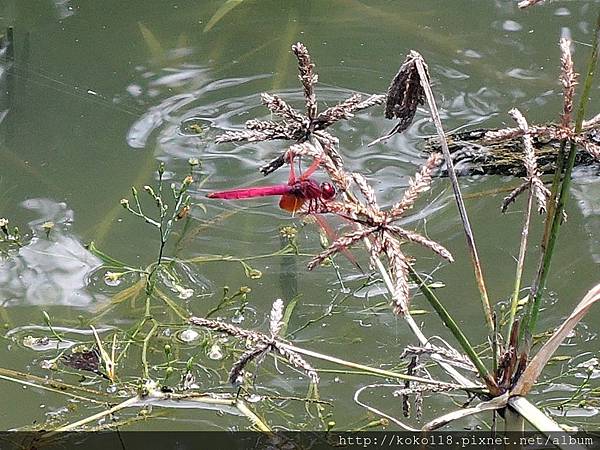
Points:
[(292, 176), (311, 169), (322, 205)]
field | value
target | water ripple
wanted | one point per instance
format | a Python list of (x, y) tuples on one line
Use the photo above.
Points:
[(49, 270)]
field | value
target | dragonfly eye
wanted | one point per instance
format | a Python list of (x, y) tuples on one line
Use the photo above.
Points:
[(327, 191)]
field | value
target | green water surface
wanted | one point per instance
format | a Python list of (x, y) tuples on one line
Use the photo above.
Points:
[(100, 92)]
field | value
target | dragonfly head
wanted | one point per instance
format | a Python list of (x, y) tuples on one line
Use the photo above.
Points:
[(327, 191)]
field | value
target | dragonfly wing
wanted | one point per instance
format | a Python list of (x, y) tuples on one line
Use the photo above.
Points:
[(291, 203), (331, 235)]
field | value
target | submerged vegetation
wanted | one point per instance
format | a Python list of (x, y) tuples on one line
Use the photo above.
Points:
[(179, 352)]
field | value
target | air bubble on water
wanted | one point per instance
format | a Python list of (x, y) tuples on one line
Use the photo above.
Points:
[(215, 352), (238, 318), (188, 335), (254, 398), (364, 325), (111, 389), (112, 281), (511, 25), (184, 294)]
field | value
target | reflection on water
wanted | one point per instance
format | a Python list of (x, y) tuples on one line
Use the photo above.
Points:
[(188, 80), (586, 189), (49, 270), (64, 8)]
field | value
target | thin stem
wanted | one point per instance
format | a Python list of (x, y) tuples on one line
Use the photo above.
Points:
[(520, 262), (579, 390), (456, 331), (126, 404), (382, 372), (55, 385), (145, 349), (556, 219), (457, 194), (55, 390), (155, 397), (257, 421)]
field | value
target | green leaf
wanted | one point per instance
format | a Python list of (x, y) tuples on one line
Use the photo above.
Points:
[(154, 46), (289, 309), (104, 257), (221, 12)]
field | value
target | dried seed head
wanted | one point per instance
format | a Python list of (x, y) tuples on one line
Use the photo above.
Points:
[(297, 361), (236, 375), (229, 329), (366, 190), (405, 93), (399, 269), (420, 183), (529, 159), (568, 79), (342, 242), (594, 122), (340, 111), (278, 106), (592, 149), (307, 77), (276, 322), (533, 180), (421, 240)]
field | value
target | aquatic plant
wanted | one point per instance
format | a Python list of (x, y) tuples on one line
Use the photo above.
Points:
[(512, 374), (498, 375)]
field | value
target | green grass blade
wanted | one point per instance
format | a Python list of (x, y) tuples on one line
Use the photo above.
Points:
[(454, 329)]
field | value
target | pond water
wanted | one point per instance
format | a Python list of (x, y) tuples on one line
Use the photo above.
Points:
[(100, 93)]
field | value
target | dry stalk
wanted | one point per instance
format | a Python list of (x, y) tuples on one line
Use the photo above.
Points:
[(421, 68)]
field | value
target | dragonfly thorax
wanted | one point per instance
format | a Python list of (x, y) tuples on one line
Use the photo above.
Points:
[(309, 189)]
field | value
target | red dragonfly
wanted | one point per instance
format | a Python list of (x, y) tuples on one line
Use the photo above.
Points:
[(294, 195)]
